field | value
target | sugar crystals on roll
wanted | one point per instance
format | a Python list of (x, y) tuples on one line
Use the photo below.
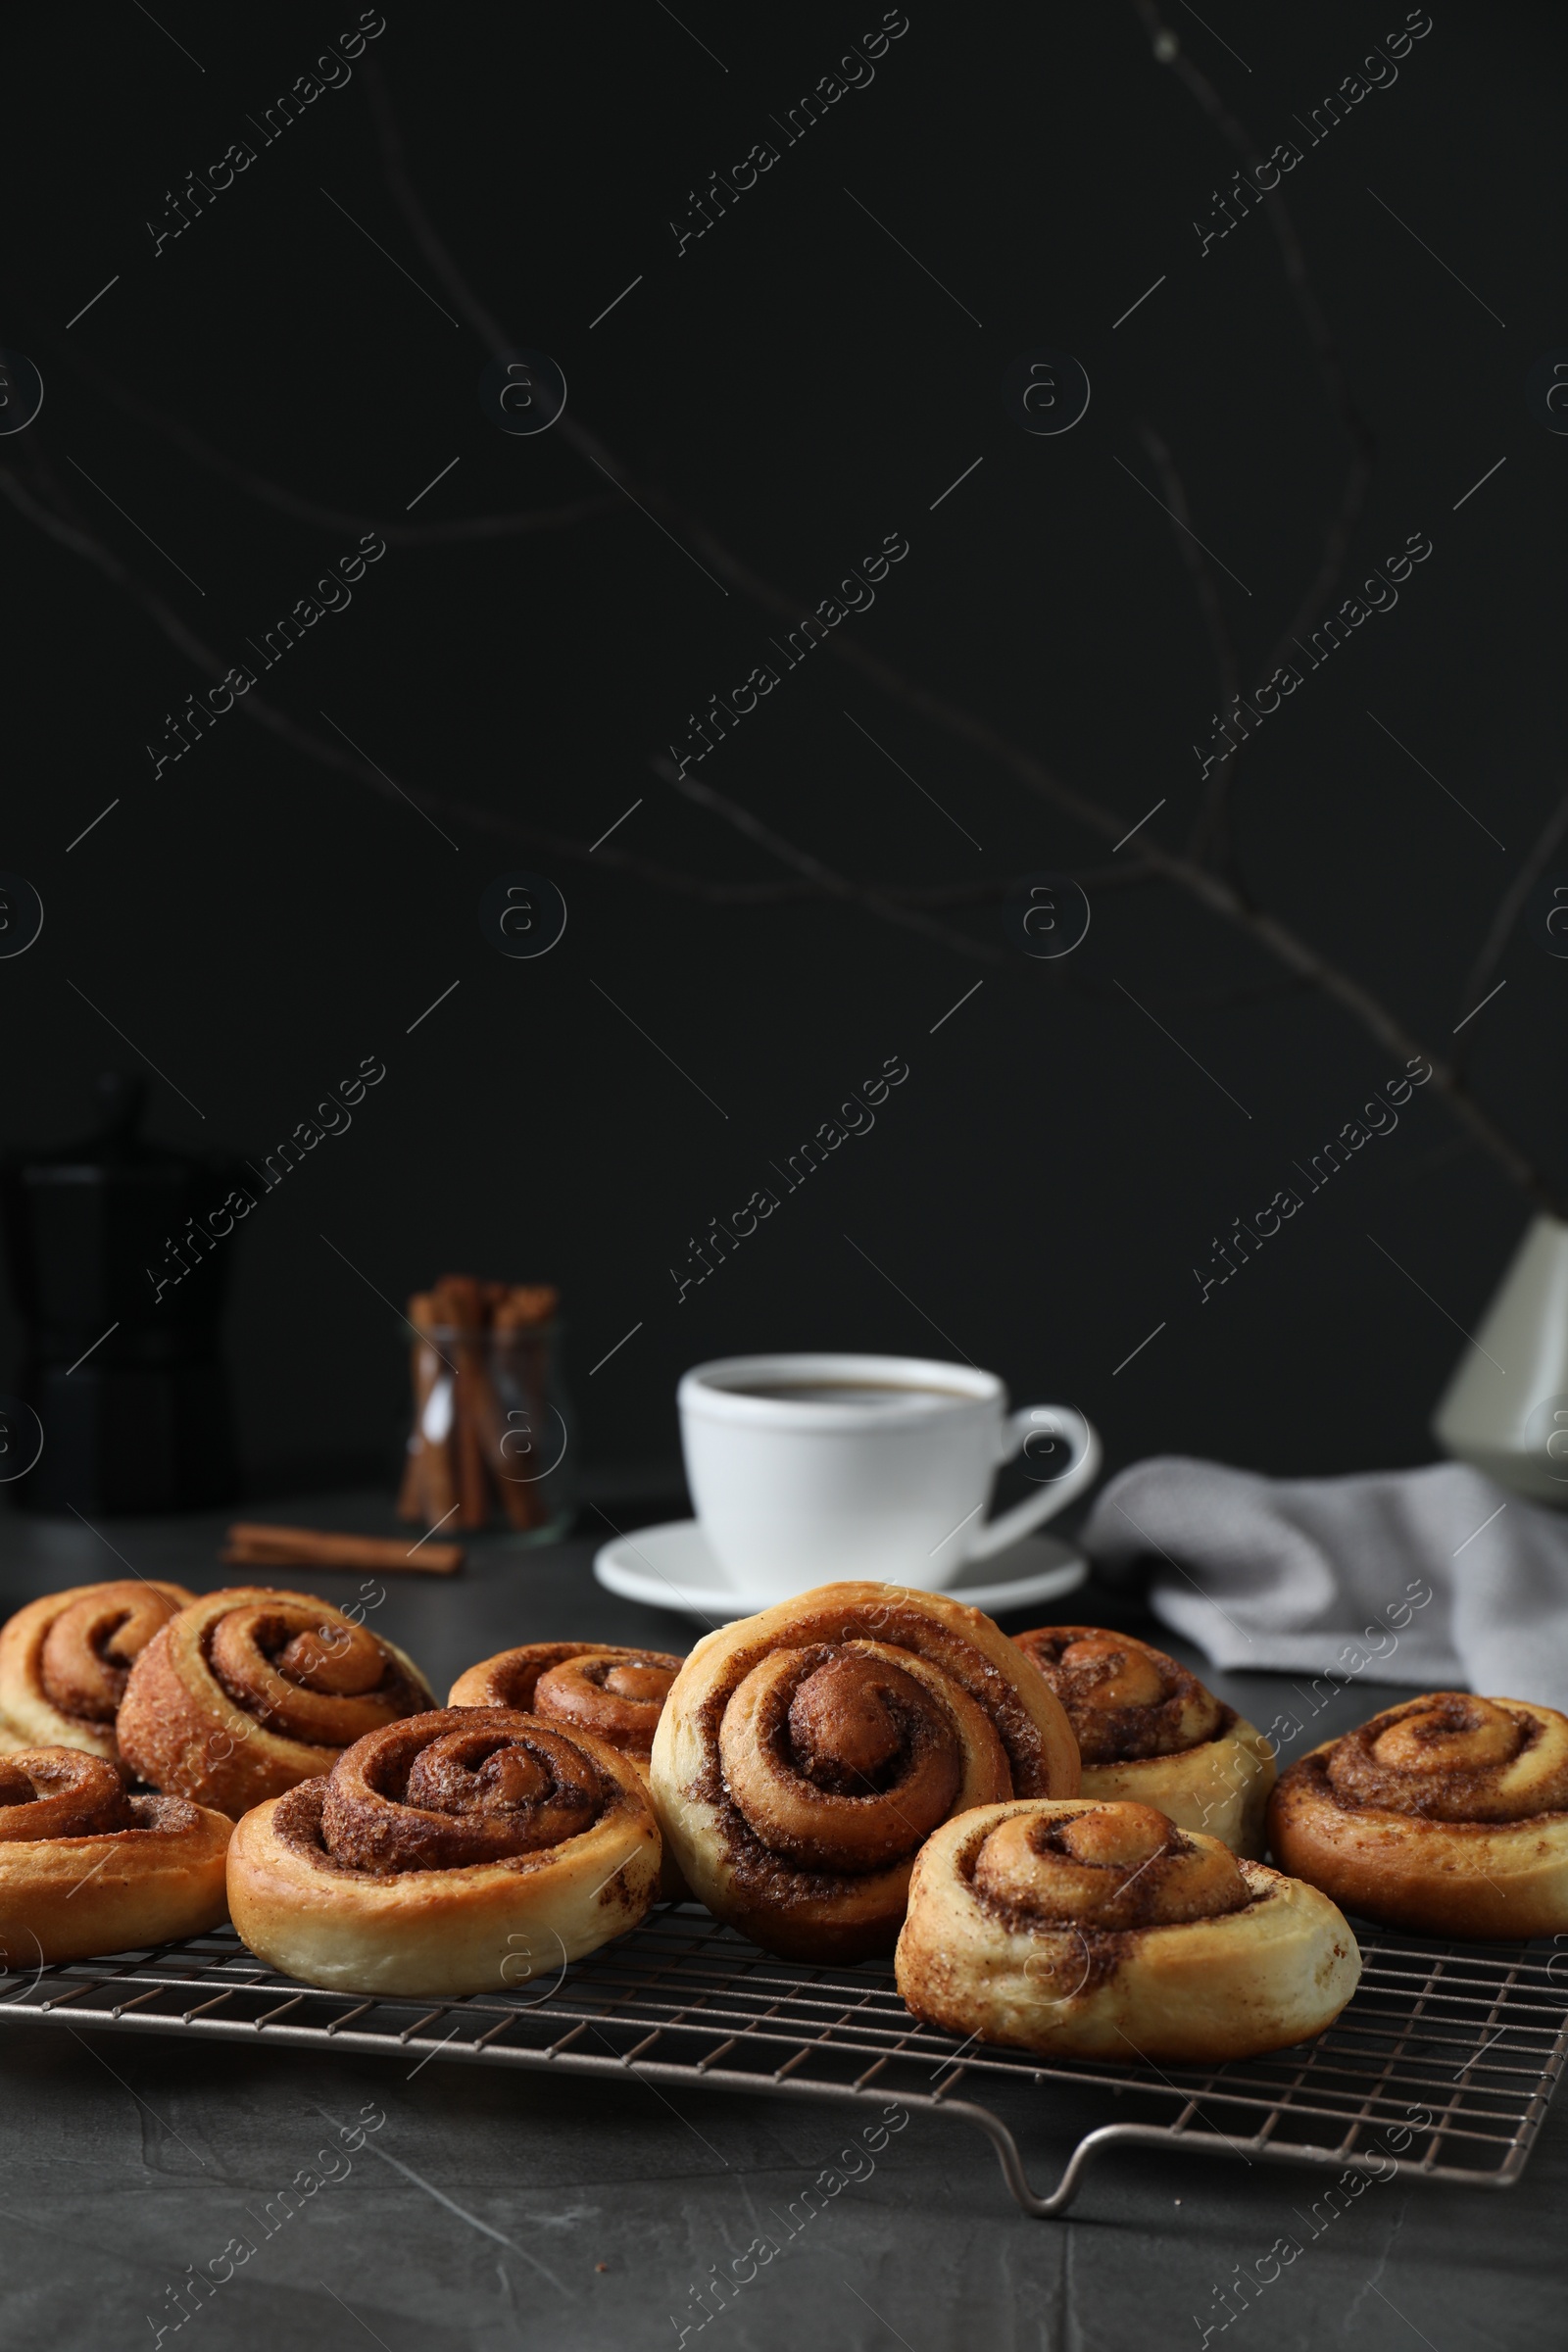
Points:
[(248, 1691), (617, 1694), (466, 1849), (1101, 1930), (66, 1660), (86, 1868), (805, 1753), (1448, 1814), (1150, 1732)]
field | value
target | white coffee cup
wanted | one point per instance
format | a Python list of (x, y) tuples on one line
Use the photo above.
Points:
[(805, 1469)]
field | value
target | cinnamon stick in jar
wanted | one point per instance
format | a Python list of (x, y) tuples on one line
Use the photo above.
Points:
[(478, 1345), (528, 1303), (514, 1494), (519, 1322), (460, 1303), (412, 1491), (431, 1464)]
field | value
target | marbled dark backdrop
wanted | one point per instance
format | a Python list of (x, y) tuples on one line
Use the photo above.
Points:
[(1042, 1188)]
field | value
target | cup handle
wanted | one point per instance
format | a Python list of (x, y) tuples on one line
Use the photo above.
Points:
[(1049, 1426)]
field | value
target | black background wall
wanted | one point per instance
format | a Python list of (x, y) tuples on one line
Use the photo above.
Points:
[(1039, 1191)]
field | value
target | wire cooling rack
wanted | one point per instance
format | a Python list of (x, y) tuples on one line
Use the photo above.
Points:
[(1440, 2067)]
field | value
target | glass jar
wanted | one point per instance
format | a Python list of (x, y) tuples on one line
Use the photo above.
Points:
[(493, 1438)]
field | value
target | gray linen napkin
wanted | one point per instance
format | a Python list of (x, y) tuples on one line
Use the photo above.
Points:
[(1434, 1577)]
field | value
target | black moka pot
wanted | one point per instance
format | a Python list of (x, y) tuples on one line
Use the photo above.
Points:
[(121, 1368)]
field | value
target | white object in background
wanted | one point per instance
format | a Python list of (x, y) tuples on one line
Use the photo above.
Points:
[(1505, 1410), (807, 1469), (673, 1567)]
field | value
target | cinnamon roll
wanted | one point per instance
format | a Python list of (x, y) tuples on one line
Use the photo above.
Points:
[(469, 1849), (65, 1661), (85, 1868), (1448, 1814), (805, 1753), (248, 1691), (1104, 1931), (617, 1694), (1148, 1731)]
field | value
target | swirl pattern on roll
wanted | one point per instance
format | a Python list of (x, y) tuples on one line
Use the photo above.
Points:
[(91, 1646), (842, 1757), (60, 1793), (463, 1850), (1105, 1930), (65, 1792), (250, 1691), (1448, 1814), (307, 1672), (1125, 1699), (65, 1660), (450, 1789), (1105, 1869), (1151, 1733), (805, 1753), (1452, 1756), (617, 1694), (86, 1867)]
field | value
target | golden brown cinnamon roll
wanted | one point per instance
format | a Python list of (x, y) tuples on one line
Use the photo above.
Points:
[(617, 1694), (1448, 1814), (65, 1661), (1150, 1732), (1104, 1931), (85, 1868), (805, 1753), (469, 1849), (248, 1691)]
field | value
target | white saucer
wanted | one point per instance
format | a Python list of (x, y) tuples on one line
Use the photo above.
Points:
[(670, 1567)]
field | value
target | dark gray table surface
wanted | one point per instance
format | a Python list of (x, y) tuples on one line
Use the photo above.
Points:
[(516, 2209)]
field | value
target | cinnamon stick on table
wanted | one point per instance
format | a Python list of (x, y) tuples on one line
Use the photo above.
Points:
[(253, 1544)]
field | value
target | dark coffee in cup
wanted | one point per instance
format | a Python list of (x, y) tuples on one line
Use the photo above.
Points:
[(841, 1391)]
